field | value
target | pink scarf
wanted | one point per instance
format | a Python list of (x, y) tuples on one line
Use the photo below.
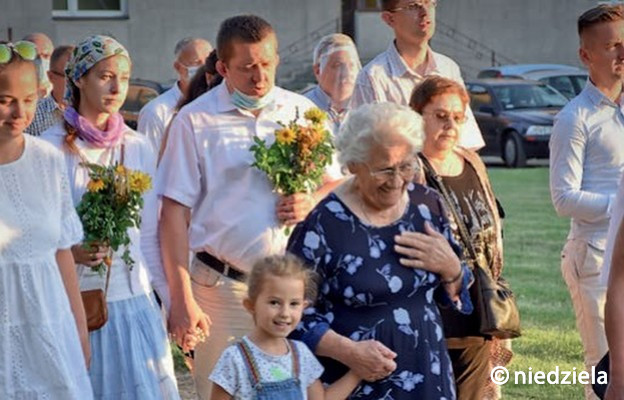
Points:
[(115, 128)]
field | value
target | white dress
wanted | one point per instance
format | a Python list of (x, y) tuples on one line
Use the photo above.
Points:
[(40, 352)]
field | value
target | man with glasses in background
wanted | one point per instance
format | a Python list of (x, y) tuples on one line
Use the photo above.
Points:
[(393, 74), (50, 108)]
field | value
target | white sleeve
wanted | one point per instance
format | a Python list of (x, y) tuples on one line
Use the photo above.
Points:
[(71, 226), (228, 373), (150, 243), (311, 368), (150, 125), (180, 175), (567, 158)]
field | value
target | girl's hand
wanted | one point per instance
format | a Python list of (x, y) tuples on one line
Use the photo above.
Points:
[(92, 256)]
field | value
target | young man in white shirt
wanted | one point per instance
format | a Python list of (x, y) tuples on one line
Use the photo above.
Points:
[(236, 215), (154, 117), (586, 164), (393, 74)]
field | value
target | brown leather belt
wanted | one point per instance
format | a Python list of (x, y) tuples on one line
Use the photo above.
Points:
[(224, 269)]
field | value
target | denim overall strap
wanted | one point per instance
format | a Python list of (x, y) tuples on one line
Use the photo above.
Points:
[(289, 389), (250, 362), (295, 355)]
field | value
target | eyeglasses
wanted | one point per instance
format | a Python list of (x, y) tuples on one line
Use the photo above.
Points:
[(417, 5), (445, 116), (26, 50), (406, 171)]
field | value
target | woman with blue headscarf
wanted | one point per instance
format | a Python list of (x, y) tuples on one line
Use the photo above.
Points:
[(131, 358)]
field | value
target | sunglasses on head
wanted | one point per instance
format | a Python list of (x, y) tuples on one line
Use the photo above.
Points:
[(25, 50)]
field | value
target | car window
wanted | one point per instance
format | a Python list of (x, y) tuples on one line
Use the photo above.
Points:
[(137, 97), (145, 96), (579, 82), (563, 84), (479, 96), (528, 96)]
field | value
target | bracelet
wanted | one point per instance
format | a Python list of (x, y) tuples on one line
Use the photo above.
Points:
[(455, 279)]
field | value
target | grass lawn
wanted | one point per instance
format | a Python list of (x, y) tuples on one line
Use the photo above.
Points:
[(534, 236)]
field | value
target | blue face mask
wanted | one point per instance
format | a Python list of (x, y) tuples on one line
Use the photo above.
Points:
[(251, 103)]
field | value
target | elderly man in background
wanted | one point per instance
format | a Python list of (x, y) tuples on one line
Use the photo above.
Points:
[(336, 64), (45, 47), (50, 108), (154, 118), (393, 74), (586, 165)]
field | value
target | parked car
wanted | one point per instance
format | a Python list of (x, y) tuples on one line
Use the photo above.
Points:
[(567, 82), (515, 117), (140, 92), (567, 79)]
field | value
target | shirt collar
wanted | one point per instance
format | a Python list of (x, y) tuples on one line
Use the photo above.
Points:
[(176, 91), (324, 102), (398, 67), (224, 101), (49, 104), (598, 98)]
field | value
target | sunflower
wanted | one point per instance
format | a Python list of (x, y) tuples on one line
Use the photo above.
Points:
[(315, 115), (285, 136), (95, 186), (140, 182)]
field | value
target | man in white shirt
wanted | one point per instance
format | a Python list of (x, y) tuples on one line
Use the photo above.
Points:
[(154, 117), (236, 216), (586, 164), (393, 74)]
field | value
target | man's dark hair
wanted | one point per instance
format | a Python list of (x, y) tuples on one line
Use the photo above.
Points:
[(243, 28), (600, 14), (59, 52)]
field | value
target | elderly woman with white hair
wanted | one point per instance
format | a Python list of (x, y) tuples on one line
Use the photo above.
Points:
[(336, 64), (385, 257)]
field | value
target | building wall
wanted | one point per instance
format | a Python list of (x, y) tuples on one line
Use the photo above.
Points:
[(521, 31), (154, 26)]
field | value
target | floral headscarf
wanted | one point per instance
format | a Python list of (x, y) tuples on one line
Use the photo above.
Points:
[(86, 54)]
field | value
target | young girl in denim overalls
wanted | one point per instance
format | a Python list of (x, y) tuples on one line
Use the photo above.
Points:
[(265, 365)]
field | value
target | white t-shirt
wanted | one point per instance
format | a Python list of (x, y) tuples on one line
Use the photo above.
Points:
[(232, 374)]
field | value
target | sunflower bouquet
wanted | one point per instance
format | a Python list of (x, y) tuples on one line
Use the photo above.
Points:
[(112, 204), (295, 162)]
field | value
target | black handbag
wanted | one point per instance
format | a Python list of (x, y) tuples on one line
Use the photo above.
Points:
[(496, 304), (600, 388)]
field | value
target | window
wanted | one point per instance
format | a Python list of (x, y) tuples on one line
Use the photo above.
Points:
[(90, 8), (479, 96)]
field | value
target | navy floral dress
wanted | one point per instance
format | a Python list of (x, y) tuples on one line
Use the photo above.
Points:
[(365, 293)]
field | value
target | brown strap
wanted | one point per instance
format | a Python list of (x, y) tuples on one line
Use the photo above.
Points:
[(108, 273), (439, 185)]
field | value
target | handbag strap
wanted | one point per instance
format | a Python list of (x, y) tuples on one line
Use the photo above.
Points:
[(439, 183)]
